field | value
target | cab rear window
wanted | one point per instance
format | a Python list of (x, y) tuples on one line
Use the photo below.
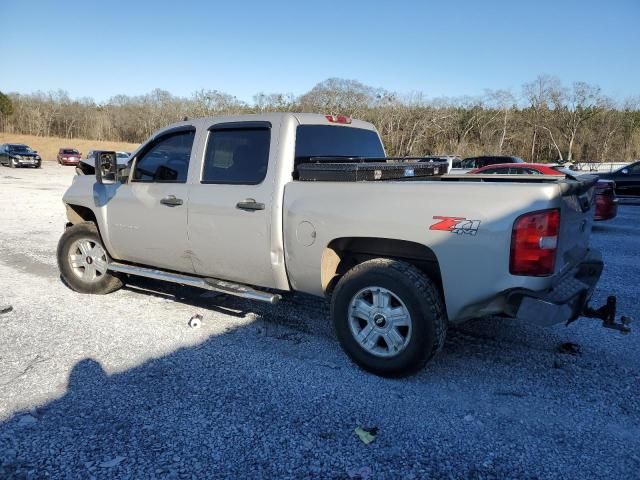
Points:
[(334, 141)]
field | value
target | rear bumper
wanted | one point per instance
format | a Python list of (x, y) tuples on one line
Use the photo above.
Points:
[(564, 300)]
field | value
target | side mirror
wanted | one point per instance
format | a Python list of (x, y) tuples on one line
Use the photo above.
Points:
[(106, 167)]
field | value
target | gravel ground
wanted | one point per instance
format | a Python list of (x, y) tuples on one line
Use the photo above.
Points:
[(119, 386)]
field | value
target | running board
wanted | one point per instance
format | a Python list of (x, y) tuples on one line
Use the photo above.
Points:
[(212, 284)]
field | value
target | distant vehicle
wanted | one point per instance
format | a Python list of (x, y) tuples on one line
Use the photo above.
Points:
[(68, 156), (470, 163), (606, 201), (86, 165), (627, 179), (521, 168), (123, 156), (452, 160), (19, 155)]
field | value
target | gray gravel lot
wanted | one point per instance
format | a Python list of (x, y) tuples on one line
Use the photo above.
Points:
[(119, 386)]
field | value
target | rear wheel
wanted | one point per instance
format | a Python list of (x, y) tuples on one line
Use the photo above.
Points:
[(389, 317), (83, 260)]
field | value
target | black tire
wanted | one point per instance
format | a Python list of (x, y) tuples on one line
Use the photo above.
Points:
[(422, 300), (102, 284), (10, 164)]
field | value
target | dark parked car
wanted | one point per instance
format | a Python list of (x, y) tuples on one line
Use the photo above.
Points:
[(482, 161), (68, 156), (627, 179), (18, 155)]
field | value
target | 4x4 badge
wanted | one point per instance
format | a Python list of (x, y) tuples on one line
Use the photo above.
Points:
[(459, 225)]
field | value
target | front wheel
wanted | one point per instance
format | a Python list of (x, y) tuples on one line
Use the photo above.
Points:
[(83, 260), (389, 317)]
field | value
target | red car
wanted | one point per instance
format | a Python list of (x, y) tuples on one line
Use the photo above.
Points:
[(68, 156), (606, 201)]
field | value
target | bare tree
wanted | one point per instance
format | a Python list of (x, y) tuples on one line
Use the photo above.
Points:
[(548, 122)]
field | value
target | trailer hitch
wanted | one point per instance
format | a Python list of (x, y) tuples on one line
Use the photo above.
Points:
[(607, 313)]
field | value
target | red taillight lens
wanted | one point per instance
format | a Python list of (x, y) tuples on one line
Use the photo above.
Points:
[(338, 119), (534, 241)]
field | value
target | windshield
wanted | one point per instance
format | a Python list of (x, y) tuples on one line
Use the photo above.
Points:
[(70, 151), (20, 148), (332, 141)]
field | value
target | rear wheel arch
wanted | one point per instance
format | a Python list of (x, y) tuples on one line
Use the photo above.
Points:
[(342, 254)]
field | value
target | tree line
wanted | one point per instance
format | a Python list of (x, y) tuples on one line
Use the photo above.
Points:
[(545, 121)]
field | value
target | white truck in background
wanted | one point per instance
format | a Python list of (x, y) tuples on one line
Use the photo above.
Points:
[(253, 205)]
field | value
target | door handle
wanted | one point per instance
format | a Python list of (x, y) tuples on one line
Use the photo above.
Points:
[(250, 205), (171, 201)]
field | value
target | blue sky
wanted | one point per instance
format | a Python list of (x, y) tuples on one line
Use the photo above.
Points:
[(441, 48)]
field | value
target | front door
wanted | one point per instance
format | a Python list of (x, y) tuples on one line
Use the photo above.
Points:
[(230, 207), (147, 216)]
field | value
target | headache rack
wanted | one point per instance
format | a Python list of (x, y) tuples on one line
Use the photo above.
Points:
[(367, 169)]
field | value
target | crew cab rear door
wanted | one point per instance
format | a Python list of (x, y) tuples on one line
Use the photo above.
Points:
[(147, 215), (231, 205)]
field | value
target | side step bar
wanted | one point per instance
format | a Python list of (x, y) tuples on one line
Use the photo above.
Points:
[(212, 284)]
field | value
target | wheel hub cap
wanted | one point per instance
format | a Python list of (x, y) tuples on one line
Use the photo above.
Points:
[(88, 260), (380, 321)]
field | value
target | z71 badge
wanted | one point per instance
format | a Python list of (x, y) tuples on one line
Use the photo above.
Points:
[(459, 225)]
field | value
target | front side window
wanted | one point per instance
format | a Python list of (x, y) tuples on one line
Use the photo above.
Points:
[(237, 156), (167, 160)]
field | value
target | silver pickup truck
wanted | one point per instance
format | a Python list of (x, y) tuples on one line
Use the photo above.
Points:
[(257, 205)]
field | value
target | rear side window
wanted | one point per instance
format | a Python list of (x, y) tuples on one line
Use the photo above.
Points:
[(333, 141), (499, 171), (237, 156), (483, 162), (470, 163), (167, 160)]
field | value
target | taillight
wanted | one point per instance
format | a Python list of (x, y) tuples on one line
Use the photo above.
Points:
[(534, 241), (338, 119)]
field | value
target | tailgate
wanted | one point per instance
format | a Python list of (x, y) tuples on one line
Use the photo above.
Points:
[(576, 219)]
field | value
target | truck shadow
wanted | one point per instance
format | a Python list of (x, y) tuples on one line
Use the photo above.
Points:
[(218, 409)]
